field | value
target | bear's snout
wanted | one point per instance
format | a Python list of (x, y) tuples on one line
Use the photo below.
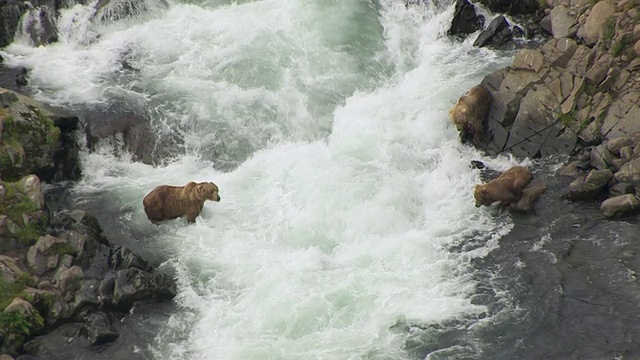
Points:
[(217, 197)]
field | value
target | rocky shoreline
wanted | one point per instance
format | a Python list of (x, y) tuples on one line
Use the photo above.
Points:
[(57, 269), (576, 96)]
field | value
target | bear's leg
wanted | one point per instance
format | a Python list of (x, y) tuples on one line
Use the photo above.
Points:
[(191, 217)]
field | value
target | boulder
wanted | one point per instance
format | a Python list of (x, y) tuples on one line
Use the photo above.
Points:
[(42, 257), (563, 25), (465, 20), (49, 303), (133, 284), (33, 142), (590, 187), (622, 189), (34, 321), (601, 158), (597, 22), (496, 35), (620, 205), (98, 329), (629, 173), (11, 268)]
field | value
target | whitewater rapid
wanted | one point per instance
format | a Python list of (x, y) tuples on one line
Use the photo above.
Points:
[(324, 124)]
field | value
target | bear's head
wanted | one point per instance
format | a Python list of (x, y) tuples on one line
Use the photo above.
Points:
[(482, 196), (458, 115), (207, 191)]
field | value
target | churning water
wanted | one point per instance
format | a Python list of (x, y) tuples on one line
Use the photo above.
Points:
[(324, 123)]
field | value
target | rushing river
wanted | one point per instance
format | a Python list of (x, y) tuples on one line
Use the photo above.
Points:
[(346, 194)]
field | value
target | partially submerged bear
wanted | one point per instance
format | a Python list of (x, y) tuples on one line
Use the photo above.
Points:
[(506, 189), (469, 112), (169, 202)]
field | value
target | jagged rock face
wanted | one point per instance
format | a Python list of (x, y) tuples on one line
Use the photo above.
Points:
[(36, 140), (465, 20), (497, 34), (10, 13)]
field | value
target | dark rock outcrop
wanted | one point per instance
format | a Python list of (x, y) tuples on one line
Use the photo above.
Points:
[(65, 270), (36, 139), (496, 35), (465, 20)]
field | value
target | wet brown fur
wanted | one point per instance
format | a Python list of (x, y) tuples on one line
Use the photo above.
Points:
[(469, 112), (507, 188), (169, 202)]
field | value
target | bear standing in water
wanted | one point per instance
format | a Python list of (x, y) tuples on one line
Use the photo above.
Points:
[(169, 202)]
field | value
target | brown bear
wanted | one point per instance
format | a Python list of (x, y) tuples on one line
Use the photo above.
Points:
[(469, 112), (169, 202), (530, 194), (507, 188)]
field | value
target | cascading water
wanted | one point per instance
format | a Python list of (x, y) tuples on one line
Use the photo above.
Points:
[(324, 123)]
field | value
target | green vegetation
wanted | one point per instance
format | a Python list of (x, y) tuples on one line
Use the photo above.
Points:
[(63, 249), (9, 290), (622, 44), (15, 323), (568, 119), (609, 30), (16, 204), (590, 89)]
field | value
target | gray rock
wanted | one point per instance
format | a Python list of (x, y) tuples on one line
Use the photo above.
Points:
[(98, 329), (23, 307), (620, 205), (86, 299), (629, 172), (528, 59), (496, 35), (532, 126), (559, 51), (594, 28), (562, 23), (571, 169), (69, 279), (40, 258), (465, 20), (599, 70), (581, 61), (615, 144), (49, 303), (627, 124), (590, 187), (10, 268), (133, 284), (622, 189), (626, 152), (33, 190), (619, 108), (601, 158)]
